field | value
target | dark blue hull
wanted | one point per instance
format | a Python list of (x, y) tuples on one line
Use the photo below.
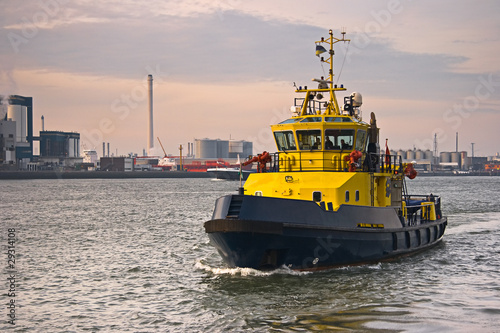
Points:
[(229, 174), (325, 239)]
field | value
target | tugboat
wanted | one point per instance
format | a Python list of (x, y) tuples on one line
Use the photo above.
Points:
[(329, 197)]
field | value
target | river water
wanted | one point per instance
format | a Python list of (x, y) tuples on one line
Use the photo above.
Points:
[(131, 255)]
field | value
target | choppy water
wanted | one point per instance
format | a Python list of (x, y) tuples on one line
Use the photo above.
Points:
[(131, 256)]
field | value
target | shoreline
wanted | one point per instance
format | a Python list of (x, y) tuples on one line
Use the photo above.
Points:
[(13, 175), (450, 174)]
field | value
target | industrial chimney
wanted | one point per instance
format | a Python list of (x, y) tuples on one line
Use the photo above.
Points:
[(150, 106), (43, 124)]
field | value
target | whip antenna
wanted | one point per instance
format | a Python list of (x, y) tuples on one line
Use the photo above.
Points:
[(343, 61)]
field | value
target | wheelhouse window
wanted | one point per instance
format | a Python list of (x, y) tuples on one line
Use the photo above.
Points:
[(309, 139), (291, 121), (338, 119), (312, 120), (285, 140), (339, 139), (360, 140)]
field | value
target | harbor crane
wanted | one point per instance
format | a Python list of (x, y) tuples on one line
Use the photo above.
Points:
[(164, 152)]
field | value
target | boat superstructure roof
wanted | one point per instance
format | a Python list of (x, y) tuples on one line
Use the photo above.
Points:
[(335, 119)]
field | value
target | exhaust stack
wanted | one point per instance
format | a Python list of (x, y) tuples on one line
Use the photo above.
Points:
[(150, 106)]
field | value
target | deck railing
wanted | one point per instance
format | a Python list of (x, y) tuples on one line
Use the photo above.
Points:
[(418, 209), (302, 161)]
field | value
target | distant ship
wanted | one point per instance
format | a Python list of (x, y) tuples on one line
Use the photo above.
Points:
[(173, 163), (329, 197), (239, 172), (229, 173)]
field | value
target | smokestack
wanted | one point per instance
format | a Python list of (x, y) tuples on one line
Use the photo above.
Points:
[(43, 124), (150, 106), (104, 149), (108, 149), (457, 143)]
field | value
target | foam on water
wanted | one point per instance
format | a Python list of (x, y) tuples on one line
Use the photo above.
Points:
[(472, 223), (245, 271)]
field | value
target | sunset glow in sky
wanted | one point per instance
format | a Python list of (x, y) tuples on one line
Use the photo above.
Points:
[(225, 69)]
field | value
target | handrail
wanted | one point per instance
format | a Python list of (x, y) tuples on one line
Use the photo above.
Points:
[(425, 205), (370, 162), (313, 106)]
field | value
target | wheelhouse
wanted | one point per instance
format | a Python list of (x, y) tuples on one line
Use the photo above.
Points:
[(319, 142)]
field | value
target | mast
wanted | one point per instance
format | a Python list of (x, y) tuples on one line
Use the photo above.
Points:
[(325, 85), (331, 40)]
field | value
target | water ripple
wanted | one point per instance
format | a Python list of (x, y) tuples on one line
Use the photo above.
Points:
[(132, 256)]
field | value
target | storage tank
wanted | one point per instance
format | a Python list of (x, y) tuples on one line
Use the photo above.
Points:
[(401, 153), (445, 157), (206, 148), (222, 149), (410, 155), (75, 151), (464, 160), (428, 154), (19, 114), (419, 155), (71, 147), (247, 149), (456, 158), (236, 147)]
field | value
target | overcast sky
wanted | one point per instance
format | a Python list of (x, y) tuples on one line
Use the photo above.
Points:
[(225, 69)]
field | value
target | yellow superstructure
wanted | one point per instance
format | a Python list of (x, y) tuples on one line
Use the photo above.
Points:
[(328, 154), (332, 188)]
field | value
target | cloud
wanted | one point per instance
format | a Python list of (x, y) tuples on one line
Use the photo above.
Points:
[(239, 46)]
